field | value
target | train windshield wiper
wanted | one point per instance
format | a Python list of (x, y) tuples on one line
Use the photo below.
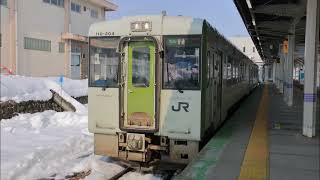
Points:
[(177, 85)]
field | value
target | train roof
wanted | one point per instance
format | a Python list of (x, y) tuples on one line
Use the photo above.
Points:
[(161, 25)]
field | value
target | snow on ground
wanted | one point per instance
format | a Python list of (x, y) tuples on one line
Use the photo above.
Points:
[(42, 144), (52, 143), (21, 88)]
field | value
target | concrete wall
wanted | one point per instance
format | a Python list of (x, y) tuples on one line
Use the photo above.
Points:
[(4, 61), (42, 21), (80, 22)]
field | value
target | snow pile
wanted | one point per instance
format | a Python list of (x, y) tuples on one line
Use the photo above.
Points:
[(75, 88), (80, 108), (42, 144), (19, 88), (52, 144)]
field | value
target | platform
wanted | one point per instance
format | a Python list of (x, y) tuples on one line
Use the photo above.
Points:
[(262, 139)]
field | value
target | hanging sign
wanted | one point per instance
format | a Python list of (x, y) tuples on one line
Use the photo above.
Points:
[(285, 47)]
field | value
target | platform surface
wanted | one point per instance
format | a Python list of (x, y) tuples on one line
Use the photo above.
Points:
[(261, 140)]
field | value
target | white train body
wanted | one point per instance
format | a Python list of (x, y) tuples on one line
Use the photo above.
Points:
[(159, 85)]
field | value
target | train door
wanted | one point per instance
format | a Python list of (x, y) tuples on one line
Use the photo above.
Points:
[(140, 91), (218, 85)]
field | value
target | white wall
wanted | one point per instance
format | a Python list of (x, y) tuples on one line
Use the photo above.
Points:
[(42, 21), (45, 21), (246, 41), (4, 61), (80, 22)]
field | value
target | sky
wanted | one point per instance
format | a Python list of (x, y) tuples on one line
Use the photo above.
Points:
[(221, 14)]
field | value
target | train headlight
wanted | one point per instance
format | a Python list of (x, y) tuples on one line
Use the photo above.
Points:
[(147, 26), (141, 26)]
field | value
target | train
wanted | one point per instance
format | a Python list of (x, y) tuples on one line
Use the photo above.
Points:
[(159, 85)]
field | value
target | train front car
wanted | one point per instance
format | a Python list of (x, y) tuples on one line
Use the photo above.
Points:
[(144, 88)]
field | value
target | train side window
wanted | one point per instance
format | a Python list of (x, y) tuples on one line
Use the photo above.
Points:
[(181, 69), (229, 70), (208, 66), (212, 60), (141, 67), (104, 62), (234, 69)]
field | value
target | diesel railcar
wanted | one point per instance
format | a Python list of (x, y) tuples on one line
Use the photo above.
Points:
[(158, 85)]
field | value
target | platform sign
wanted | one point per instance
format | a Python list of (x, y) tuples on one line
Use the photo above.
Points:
[(285, 47)]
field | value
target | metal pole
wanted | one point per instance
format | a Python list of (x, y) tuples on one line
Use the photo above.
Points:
[(290, 59), (281, 73), (310, 95), (273, 72), (285, 69)]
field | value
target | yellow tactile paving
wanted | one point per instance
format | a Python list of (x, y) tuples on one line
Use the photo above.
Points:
[(255, 165)]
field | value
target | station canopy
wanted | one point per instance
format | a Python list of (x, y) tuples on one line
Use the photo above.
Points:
[(269, 22)]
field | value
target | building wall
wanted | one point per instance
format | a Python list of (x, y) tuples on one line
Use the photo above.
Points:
[(42, 21), (80, 22), (245, 41), (5, 37), (36, 19)]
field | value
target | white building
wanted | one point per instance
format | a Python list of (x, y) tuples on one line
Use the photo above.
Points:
[(48, 37), (246, 45)]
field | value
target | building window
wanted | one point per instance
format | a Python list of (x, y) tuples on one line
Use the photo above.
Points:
[(75, 7), (61, 47), (59, 3), (94, 13), (37, 44), (244, 49), (4, 2), (253, 49)]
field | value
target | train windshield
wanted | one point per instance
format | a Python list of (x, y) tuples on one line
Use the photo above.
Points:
[(181, 63), (104, 61)]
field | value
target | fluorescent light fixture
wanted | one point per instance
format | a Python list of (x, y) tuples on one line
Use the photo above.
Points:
[(253, 22), (271, 46), (249, 4)]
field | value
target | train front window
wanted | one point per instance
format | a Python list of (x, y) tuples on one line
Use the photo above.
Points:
[(140, 66), (104, 61), (181, 62)]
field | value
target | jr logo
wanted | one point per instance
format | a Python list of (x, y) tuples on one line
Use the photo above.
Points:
[(183, 105)]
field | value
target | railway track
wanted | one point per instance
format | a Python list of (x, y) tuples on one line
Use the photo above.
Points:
[(165, 171), (121, 173)]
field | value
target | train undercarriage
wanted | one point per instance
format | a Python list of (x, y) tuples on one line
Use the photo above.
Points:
[(145, 148)]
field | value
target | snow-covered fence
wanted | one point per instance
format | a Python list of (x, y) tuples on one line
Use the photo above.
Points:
[(10, 108)]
